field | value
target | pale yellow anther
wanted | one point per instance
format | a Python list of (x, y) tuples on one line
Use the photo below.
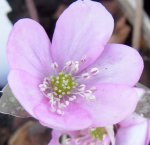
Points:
[(68, 93)]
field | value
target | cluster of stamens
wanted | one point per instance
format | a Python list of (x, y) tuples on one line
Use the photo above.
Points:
[(94, 136), (63, 87), (62, 84), (98, 133)]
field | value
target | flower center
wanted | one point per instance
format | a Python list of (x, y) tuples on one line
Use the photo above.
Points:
[(65, 86), (98, 133), (90, 136), (62, 84)]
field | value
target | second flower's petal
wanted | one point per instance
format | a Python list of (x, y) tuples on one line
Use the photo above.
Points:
[(112, 104), (82, 30), (55, 138), (25, 88), (134, 130), (119, 64), (29, 48), (74, 118)]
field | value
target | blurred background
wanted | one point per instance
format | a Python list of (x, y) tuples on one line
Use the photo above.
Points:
[(132, 27)]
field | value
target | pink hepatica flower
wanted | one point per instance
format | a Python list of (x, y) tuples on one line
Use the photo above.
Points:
[(90, 136), (79, 80)]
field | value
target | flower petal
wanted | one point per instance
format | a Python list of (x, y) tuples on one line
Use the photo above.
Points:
[(113, 103), (74, 118), (55, 137), (134, 130), (29, 48), (119, 64), (25, 88), (82, 30)]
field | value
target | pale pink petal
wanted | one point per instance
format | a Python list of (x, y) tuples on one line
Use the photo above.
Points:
[(148, 133), (134, 130), (106, 141), (82, 30), (118, 64), (74, 117), (113, 103), (29, 48), (55, 137), (132, 120), (54, 141), (25, 88)]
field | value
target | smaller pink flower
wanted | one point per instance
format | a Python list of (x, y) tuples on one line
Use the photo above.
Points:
[(134, 130), (78, 80), (91, 136)]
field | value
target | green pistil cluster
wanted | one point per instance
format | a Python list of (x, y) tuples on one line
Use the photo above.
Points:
[(62, 84), (98, 133)]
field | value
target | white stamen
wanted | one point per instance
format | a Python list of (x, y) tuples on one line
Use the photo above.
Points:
[(89, 95), (60, 96), (94, 71), (54, 66), (67, 141), (43, 86), (60, 112), (72, 98), (81, 87), (62, 105), (50, 95), (104, 136), (86, 75), (45, 79), (42, 89), (75, 67), (83, 59), (55, 94), (93, 89), (67, 103), (69, 63), (88, 91)]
